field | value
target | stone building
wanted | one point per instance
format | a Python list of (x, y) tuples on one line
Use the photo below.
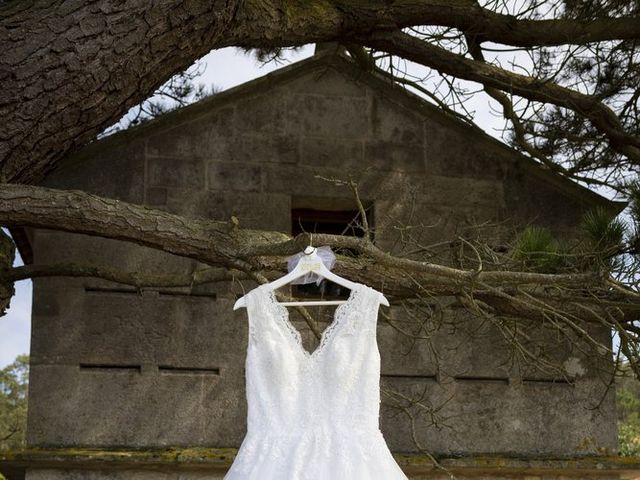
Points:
[(145, 385)]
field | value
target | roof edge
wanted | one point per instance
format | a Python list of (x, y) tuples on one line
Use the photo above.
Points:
[(345, 65), (193, 110), (421, 105)]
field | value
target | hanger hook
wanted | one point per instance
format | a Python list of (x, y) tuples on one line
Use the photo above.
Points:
[(309, 250)]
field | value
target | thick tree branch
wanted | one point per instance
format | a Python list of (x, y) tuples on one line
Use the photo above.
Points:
[(213, 242), (224, 244), (71, 70), (220, 243), (335, 19)]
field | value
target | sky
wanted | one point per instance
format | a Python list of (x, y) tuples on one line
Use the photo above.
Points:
[(223, 68), (15, 326)]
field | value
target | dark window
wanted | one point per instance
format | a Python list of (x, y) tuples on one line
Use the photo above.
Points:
[(336, 222)]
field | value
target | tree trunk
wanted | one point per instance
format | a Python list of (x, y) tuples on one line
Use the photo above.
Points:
[(69, 69)]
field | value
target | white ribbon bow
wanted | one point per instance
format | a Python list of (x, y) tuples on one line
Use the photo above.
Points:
[(325, 254)]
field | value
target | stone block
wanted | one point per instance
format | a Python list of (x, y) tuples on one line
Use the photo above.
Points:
[(234, 177), (340, 117), (372, 184), (471, 347), (112, 324), (482, 417), (156, 196), (397, 393), (114, 170), (395, 124), (278, 180), (194, 138), (326, 81), (261, 114), (116, 363), (534, 199), (486, 400), (331, 152), (462, 191), (456, 152), (176, 172), (397, 185), (106, 404), (407, 157), (432, 225), (402, 355), (256, 148)]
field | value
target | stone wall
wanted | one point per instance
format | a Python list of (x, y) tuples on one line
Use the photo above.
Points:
[(115, 367)]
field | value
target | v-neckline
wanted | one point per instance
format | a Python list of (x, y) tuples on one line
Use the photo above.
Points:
[(338, 315)]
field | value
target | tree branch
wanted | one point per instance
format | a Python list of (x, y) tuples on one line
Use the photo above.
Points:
[(600, 115), (59, 96), (220, 243), (225, 245), (503, 99)]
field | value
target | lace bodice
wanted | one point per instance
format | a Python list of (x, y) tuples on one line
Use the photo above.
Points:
[(313, 415)]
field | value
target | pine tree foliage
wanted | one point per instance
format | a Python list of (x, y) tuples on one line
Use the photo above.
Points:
[(180, 91), (628, 410), (14, 384), (537, 250)]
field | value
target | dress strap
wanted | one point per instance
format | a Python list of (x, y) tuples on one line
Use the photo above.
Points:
[(255, 310), (374, 299)]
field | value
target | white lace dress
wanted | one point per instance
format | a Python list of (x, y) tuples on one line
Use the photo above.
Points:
[(313, 416)]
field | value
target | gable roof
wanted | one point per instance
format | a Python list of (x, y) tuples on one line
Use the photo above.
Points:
[(349, 68), (346, 66)]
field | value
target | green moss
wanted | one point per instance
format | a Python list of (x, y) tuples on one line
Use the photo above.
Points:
[(171, 455), (223, 457)]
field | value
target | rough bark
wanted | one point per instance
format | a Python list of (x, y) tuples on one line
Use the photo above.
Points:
[(69, 69), (224, 244), (213, 242)]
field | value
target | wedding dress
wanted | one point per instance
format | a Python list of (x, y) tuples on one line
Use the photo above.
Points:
[(313, 416)]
